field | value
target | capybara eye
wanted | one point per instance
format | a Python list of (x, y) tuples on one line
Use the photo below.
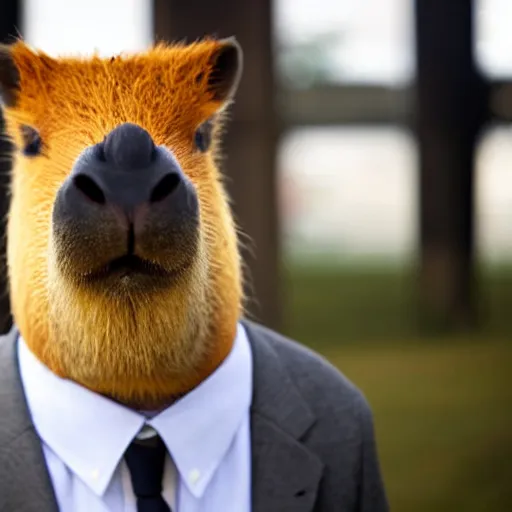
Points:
[(203, 136), (31, 141)]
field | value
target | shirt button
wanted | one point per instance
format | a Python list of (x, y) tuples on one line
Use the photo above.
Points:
[(95, 474), (194, 476)]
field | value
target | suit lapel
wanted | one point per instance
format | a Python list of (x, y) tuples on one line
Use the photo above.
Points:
[(25, 485), (285, 473)]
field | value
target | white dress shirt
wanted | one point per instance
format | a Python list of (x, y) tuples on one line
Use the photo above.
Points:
[(207, 433)]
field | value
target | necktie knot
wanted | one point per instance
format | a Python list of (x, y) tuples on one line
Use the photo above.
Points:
[(146, 461)]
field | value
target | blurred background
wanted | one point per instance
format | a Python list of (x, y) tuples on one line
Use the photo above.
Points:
[(369, 158)]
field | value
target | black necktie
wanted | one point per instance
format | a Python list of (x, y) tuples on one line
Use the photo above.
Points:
[(145, 460)]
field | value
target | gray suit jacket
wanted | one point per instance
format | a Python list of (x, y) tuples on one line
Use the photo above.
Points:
[(312, 434)]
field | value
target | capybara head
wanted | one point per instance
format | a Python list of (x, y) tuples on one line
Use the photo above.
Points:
[(122, 255)]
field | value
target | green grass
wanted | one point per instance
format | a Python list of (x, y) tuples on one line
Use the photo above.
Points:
[(443, 419), (340, 305), (442, 407), (328, 304)]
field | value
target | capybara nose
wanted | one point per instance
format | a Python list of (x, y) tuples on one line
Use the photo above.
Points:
[(127, 171), (126, 195)]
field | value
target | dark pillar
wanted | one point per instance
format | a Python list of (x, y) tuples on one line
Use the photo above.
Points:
[(250, 140), (10, 15), (450, 109)]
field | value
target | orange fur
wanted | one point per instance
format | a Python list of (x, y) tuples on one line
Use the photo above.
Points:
[(138, 350)]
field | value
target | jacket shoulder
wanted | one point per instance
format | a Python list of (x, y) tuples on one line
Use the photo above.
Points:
[(342, 435), (320, 383)]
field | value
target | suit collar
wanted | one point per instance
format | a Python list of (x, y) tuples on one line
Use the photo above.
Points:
[(286, 474), (275, 395), (11, 392), (24, 480)]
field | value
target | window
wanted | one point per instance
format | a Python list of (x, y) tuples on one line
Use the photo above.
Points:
[(67, 27)]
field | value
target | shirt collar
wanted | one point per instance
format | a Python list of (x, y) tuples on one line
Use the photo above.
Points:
[(90, 433), (199, 429)]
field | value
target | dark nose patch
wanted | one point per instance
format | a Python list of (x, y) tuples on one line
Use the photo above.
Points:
[(128, 147), (126, 196), (127, 171)]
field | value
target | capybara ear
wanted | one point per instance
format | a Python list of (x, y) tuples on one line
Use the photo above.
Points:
[(21, 68), (226, 70)]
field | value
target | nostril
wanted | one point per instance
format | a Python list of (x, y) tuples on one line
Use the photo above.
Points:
[(89, 188), (165, 187)]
